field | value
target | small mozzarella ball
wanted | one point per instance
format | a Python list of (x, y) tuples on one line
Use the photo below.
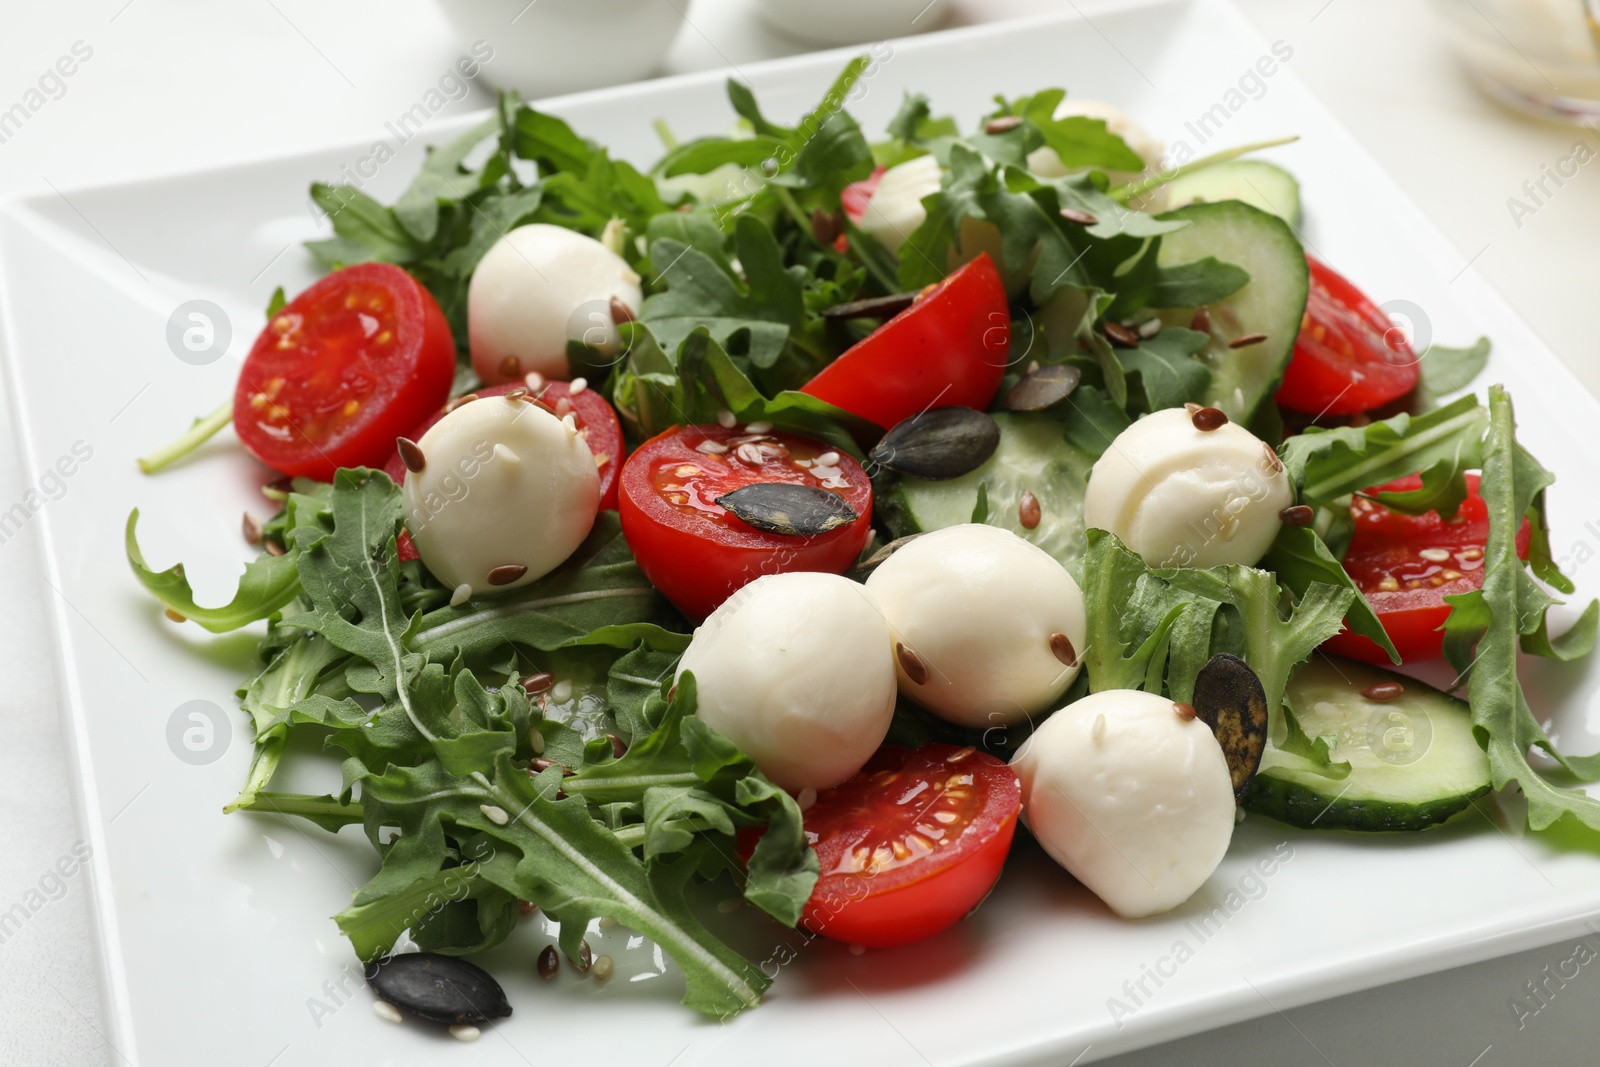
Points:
[(504, 485), (537, 288), (895, 209), (796, 669), (992, 625), (1132, 799), (1184, 497), (1046, 164)]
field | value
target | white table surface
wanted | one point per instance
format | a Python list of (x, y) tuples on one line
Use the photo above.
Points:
[(180, 84)]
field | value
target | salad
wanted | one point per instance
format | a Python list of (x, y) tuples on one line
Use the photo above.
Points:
[(803, 513)]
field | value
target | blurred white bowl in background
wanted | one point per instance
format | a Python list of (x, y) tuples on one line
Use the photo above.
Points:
[(548, 47), (851, 21)]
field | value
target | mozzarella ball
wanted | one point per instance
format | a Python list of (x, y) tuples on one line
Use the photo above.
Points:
[(895, 209), (1046, 164), (537, 288), (1132, 799), (991, 625), (796, 669), (506, 493), (1180, 496)]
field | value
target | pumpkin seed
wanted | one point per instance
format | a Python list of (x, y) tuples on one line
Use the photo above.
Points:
[(792, 510), (1228, 697), (441, 989), (1043, 388), (939, 444)]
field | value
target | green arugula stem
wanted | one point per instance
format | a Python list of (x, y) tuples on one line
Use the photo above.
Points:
[(1124, 193), (663, 131), (320, 809), (202, 431), (792, 206), (633, 836), (1358, 476)]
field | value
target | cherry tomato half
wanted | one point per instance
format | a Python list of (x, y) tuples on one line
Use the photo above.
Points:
[(597, 425), (357, 359), (911, 844), (693, 549), (1350, 357), (1407, 564), (949, 349)]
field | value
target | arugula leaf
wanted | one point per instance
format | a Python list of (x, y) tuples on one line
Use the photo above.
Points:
[(1300, 558), (1078, 140), (277, 302), (1448, 370), (443, 178), (1167, 372), (1486, 625)]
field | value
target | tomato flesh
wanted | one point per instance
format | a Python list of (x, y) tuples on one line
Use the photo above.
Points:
[(592, 412), (949, 349), (911, 844), (855, 197), (338, 373), (694, 550), (1406, 565), (1349, 357)]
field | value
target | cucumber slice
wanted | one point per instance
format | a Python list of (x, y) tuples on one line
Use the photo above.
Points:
[(1033, 456), (1253, 181), (1414, 760), (1271, 303)]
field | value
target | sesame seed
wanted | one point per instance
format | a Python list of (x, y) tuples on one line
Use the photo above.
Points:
[(807, 797), (1097, 729), (561, 692), (386, 1011), (1061, 648), (1002, 123), (549, 962), (828, 459), (1078, 216), (711, 448), (1149, 328), (726, 420), (1435, 555), (410, 454), (761, 426), (750, 455), (536, 739), (578, 385), (534, 381), (465, 1032), (1208, 419), (602, 967), (507, 573), (1246, 340), (601, 459), (461, 595), (911, 664), (495, 814), (1028, 511), (1182, 710)]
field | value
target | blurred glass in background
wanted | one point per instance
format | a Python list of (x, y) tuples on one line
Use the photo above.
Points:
[(1541, 56)]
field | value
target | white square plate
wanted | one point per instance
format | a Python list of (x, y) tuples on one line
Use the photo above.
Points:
[(214, 937)]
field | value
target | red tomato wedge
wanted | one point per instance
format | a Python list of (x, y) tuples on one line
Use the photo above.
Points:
[(949, 349), (911, 844), (1350, 357), (597, 425), (354, 361), (1407, 564), (692, 548)]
